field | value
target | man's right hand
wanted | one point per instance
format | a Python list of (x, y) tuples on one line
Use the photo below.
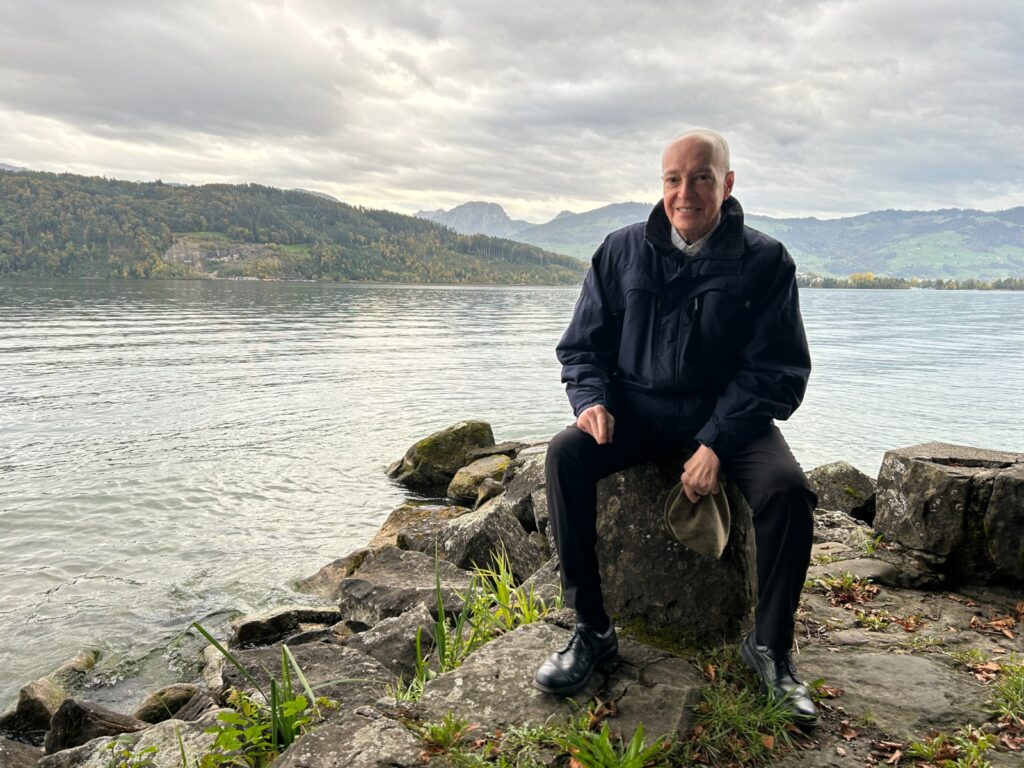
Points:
[(597, 422)]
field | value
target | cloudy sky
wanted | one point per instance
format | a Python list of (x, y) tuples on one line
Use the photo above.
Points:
[(831, 107)]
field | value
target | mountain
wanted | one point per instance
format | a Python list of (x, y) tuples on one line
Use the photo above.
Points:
[(477, 218), (81, 226), (11, 168), (951, 243)]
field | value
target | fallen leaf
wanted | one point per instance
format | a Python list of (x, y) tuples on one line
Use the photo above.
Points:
[(574, 763), (768, 742), (711, 672), (840, 751), (895, 758), (829, 691), (848, 733)]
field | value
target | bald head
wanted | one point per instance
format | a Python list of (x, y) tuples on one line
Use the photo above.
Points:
[(716, 141)]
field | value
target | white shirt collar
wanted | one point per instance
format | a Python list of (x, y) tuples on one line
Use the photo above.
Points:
[(691, 249)]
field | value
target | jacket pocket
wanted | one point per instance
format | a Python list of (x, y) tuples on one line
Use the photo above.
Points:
[(717, 331), (638, 330)]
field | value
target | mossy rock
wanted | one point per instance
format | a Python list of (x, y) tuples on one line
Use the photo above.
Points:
[(468, 479), (431, 463)]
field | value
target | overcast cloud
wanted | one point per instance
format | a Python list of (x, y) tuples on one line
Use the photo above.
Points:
[(831, 107)]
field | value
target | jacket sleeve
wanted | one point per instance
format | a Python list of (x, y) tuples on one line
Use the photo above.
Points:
[(772, 374), (588, 348)]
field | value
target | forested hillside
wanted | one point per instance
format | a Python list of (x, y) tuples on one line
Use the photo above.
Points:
[(67, 225)]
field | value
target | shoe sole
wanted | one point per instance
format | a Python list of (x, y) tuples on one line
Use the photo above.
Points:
[(606, 665)]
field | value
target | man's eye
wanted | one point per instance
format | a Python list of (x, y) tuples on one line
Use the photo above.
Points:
[(671, 181)]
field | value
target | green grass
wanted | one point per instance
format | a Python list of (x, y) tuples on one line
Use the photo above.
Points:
[(964, 748), (602, 750), (1008, 700)]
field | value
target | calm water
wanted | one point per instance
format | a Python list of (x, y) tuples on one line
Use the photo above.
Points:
[(174, 451)]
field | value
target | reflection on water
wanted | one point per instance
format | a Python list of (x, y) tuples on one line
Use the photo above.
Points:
[(172, 451)]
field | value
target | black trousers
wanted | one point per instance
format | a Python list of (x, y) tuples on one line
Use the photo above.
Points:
[(766, 473)]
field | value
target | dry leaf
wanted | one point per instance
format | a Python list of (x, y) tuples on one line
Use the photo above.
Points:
[(711, 672), (840, 751), (574, 763), (829, 691), (848, 733), (895, 758)]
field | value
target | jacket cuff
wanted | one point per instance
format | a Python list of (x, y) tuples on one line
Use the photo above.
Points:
[(578, 409), (711, 436)]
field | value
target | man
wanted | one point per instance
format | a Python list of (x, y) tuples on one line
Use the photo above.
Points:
[(687, 333)]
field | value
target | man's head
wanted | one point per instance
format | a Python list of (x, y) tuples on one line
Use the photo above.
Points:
[(696, 180)]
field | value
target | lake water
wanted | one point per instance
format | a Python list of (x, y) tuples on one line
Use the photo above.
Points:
[(172, 451)]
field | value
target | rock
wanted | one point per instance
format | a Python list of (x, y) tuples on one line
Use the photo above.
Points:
[(906, 696), (467, 480), (841, 486), (431, 463), (164, 704), (493, 686), (546, 582), (958, 504), (521, 488), (76, 722), (326, 582), (270, 626), (360, 738), (414, 526), (488, 490), (14, 754), (863, 568), (165, 737), (346, 675), (38, 701), (648, 575), (839, 527), (197, 707), (212, 672), (392, 641), (397, 580), (474, 540), (507, 448), (539, 501)]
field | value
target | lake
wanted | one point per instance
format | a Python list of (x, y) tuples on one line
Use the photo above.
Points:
[(172, 451)]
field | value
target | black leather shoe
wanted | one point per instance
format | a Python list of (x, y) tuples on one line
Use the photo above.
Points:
[(778, 679), (568, 670)]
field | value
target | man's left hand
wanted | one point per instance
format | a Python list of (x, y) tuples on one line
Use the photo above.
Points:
[(700, 474)]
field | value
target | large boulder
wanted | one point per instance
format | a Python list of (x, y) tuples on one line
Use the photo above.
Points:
[(960, 505), (494, 686), (466, 483), (38, 701), (326, 583), (395, 581), (646, 575), (476, 538), (431, 463), (14, 754), (165, 703), (76, 722), (841, 486), (414, 526), (277, 623), (521, 490), (392, 641)]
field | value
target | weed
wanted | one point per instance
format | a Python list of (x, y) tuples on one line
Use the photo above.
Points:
[(824, 559), (969, 658), (921, 643), (965, 748), (1008, 700), (872, 543), (445, 735), (123, 756), (602, 750), (846, 589), (874, 620)]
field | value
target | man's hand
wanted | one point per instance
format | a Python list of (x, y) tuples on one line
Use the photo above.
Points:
[(597, 422), (700, 474)]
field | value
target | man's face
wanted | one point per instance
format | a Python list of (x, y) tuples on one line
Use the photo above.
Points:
[(694, 186)]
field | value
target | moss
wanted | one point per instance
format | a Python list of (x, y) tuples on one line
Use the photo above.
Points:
[(678, 642), (853, 493)]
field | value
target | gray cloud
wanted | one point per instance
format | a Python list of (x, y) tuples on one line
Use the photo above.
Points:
[(831, 106)]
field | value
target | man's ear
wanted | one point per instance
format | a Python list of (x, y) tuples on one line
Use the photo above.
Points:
[(730, 177)]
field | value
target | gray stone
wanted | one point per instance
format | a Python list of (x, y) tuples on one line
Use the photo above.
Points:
[(360, 738), (863, 568), (197, 707), (346, 675), (960, 506), (326, 583), (431, 463), (415, 526), (392, 641), (76, 722), (1004, 522), (38, 701), (488, 490), (839, 527), (546, 582), (493, 686), (14, 754), (164, 704), (397, 580), (841, 486), (165, 737), (907, 696), (647, 575), (275, 624), (476, 538), (520, 489), (467, 480)]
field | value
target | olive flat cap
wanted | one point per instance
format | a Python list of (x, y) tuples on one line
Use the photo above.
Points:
[(702, 527)]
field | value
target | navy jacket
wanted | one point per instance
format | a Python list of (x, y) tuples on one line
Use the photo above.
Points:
[(721, 329)]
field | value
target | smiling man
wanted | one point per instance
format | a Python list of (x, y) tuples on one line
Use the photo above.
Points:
[(687, 333)]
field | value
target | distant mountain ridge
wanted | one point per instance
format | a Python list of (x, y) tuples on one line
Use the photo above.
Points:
[(950, 243), (477, 218)]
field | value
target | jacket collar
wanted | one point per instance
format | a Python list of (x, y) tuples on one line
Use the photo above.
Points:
[(726, 242)]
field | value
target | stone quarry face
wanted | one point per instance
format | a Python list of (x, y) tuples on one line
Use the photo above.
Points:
[(964, 505)]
